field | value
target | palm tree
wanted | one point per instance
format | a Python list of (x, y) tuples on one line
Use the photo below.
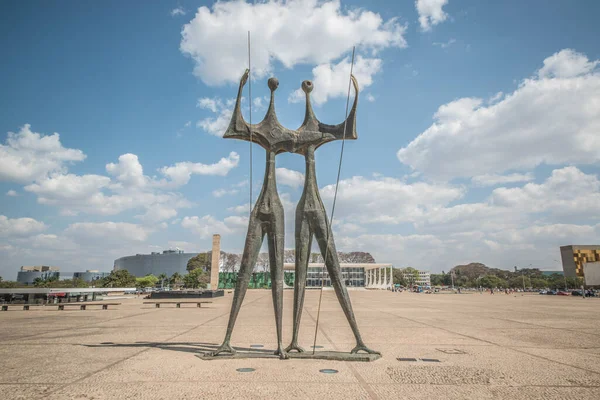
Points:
[(162, 278), (175, 279)]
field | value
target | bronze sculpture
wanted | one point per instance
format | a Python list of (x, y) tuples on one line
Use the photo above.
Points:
[(311, 218), (267, 216)]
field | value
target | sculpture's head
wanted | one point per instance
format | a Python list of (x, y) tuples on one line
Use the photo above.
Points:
[(307, 86), (273, 84)]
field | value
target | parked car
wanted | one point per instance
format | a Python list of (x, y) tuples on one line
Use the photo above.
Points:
[(562, 293), (576, 293), (543, 291), (551, 292)]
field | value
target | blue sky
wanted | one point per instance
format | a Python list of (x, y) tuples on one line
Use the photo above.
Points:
[(477, 122)]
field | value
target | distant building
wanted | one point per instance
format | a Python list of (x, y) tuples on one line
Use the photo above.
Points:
[(27, 275), (424, 278), (168, 262), (90, 275), (574, 257), (354, 275)]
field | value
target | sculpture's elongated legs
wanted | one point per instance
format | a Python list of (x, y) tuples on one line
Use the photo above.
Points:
[(320, 226), (276, 248), (303, 246), (251, 249)]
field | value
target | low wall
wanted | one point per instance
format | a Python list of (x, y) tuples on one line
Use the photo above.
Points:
[(204, 294)]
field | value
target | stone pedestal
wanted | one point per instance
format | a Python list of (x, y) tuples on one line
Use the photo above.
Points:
[(214, 264)]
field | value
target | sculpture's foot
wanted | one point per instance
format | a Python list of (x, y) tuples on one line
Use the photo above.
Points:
[(362, 347), (283, 355), (294, 346), (224, 348)]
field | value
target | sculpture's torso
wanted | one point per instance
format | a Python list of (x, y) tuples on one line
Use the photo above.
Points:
[(310, 202), (268, 202)]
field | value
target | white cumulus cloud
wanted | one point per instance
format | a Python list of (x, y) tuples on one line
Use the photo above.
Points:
[(290, 32), (205, 226), (495, 179), (388, 200), (111, 231), (181, 172), (28, 156), (430, 12), (289, 177), (552, 118), (10, 227), (332, 79), (218, 124), (177, 11)]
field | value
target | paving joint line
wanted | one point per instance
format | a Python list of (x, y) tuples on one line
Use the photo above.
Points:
[(361, 380), (88, 375), (495, 344), (75, 327)]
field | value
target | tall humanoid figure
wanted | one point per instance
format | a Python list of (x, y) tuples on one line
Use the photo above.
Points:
[(311, 218), (266, 218)]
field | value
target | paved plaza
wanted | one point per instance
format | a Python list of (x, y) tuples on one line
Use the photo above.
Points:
[(500, 346)]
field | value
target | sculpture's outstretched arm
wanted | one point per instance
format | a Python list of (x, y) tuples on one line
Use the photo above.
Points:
[(238, 128), (350, 124)]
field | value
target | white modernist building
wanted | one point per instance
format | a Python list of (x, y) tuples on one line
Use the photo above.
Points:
[(363, 275), (423, 279), (379, 276)]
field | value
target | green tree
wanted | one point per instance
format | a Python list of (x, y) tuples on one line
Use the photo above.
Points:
[(146, 281), (540, 283), (40, 283), (437, 279), (399, 277), (411, 275), (10, 285), (68, 283), (492, 281), (121, 278), (163, 278), (196, 278), (202, 260), (176, 279)]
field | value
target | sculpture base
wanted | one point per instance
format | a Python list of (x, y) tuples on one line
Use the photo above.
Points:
[(308, 355)]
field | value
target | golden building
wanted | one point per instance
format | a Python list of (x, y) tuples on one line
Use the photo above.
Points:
[(573, 258)]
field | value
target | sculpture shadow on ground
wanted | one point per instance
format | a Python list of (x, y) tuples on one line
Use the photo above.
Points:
[(186, 347), (203, 351)]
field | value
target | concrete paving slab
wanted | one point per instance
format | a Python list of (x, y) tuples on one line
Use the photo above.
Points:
[(497, 346)]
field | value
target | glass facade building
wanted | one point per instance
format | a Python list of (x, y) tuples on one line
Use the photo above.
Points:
[(168, 262), (90, 275), (353, 275), (27, 275)]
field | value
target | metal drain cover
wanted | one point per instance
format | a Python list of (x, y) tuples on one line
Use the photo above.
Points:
[(245, 370), (317, 347), (430, 360), (256, 345), (406, 359), (328, 371)]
